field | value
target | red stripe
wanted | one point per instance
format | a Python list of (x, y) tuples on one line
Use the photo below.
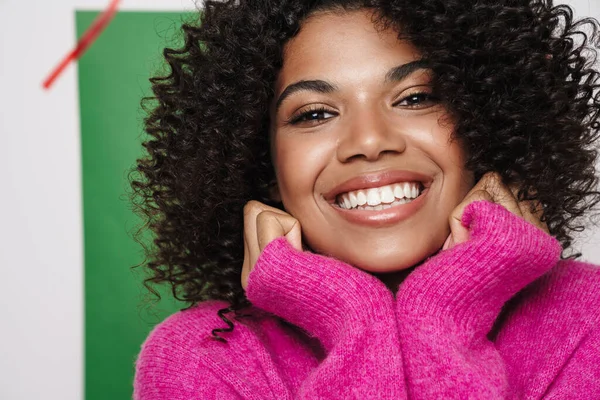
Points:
[(84, 42)]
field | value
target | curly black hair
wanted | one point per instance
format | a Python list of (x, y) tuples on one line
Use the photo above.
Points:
[(517, 76)]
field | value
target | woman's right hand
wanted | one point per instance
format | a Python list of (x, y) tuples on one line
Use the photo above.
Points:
[(262, 225)]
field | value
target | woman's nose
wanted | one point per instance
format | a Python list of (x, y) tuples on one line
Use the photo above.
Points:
[(368, 135)]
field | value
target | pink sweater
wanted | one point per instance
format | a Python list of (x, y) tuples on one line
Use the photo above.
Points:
[(497, 317)]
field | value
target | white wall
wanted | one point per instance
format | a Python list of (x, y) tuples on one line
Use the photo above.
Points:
[(41, 255), (589, 241), (41, 284)]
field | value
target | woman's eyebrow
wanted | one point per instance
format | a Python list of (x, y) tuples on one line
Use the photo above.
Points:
[(395, 74), (401, 72), (318, 86)]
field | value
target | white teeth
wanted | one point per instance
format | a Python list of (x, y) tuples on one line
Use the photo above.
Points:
[(361, 198), (353, 200), (398, 191), (407, 189), (371, 199), (385, 206), (347, 202), (387, 194)]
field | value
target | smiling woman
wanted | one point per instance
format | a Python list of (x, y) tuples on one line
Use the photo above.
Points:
[(354, 117), (374, 196)]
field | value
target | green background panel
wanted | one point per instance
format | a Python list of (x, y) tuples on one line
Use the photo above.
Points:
[(113, 77)]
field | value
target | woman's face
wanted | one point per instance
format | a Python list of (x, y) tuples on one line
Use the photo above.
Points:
[(354, 120)]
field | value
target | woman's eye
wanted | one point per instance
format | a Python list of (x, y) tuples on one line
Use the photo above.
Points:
[(417, 100), (312, 116)]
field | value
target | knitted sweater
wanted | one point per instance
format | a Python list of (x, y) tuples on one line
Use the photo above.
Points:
[(496, 317)]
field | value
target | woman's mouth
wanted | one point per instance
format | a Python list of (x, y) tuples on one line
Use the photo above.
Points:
[(380, 198)]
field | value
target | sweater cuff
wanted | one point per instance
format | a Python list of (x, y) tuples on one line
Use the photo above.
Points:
[(470, 283), (321, 295)]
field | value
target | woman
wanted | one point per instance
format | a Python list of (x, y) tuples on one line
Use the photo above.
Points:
[(380, 191)]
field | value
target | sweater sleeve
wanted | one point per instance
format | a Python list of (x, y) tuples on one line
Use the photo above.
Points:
[(447, 306), (349, 311)]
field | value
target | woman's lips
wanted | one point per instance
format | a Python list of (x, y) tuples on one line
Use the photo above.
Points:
[(379, 218), (374, 180)]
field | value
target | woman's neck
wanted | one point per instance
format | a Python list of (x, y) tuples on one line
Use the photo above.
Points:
[(393, 279)]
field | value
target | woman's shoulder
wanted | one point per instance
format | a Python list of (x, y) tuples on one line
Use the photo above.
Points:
[(188, 333), (549, 333), (171, 355), (194, 326), (570, 291), (197, 321), (562, 305), (181, 356), (570, 283)]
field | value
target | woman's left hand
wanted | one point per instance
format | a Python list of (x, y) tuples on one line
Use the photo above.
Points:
[(491, 188), (448, 305)]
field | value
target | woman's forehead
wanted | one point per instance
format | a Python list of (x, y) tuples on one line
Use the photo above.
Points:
[(330, 45)]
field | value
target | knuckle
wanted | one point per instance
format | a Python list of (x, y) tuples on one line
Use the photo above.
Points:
[(252, 207), (248, 207), (481, 194), (493, 179), (494, 175), (264, 216), (496, 181)]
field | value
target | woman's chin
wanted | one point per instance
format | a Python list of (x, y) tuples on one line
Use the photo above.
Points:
[(380, 256), (393, 268), (393, 262)]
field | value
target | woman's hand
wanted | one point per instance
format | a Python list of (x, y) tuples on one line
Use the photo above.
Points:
[(491, 188), (262, 225)]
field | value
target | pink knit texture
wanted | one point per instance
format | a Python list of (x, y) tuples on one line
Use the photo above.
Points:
[(496, 317)]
